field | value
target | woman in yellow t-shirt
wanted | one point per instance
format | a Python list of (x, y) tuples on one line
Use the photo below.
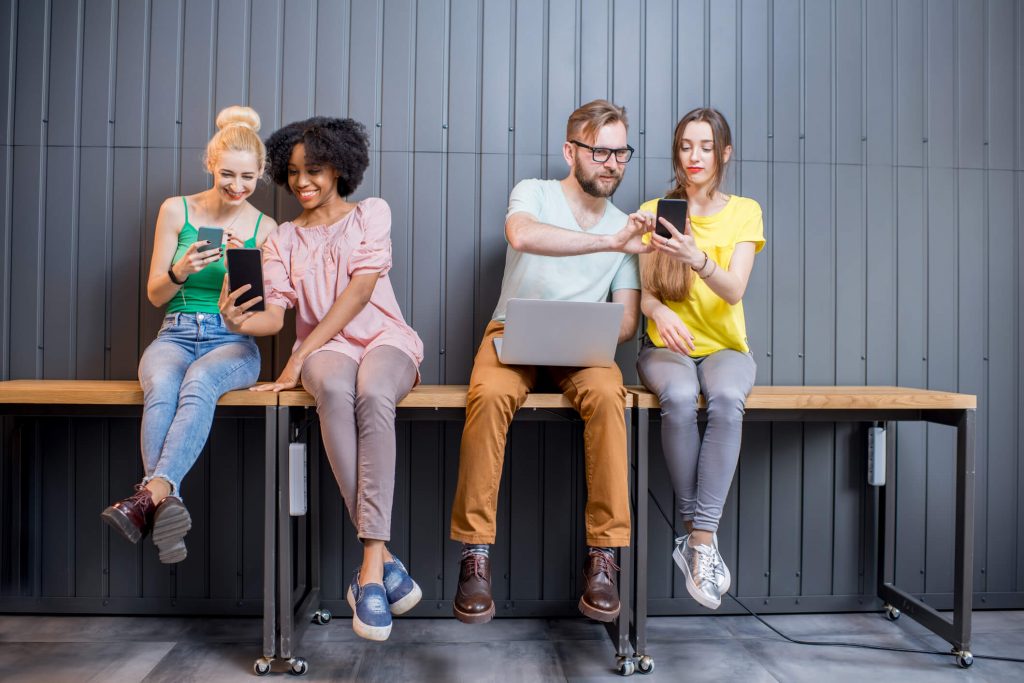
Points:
[(696, 339)]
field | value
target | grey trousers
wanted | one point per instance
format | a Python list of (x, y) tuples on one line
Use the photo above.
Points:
[(701, 471), (356, 406)]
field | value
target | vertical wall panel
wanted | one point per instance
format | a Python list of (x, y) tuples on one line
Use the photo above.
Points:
[(970, 51), (30, 82), (333, 43), (9, 11), (63, 93), (1004, 357), (1001, 107), (298, 61), (98, 65), (197, 93), (59, 262), (849, 85), (910, 79), (231, 50), (972, 361)]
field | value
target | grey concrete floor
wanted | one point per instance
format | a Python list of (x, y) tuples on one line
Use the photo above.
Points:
[(706, 648)]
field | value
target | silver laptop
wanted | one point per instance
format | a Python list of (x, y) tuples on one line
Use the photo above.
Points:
[(579, 334)]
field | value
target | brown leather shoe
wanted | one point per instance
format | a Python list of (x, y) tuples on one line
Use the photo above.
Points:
[(600, 598), (133, 516), (473, 603)]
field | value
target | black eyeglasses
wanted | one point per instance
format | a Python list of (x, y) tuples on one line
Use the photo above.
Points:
[(601, 154)]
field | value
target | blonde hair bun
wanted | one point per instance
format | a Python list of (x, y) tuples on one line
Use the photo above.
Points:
[(237, 115)]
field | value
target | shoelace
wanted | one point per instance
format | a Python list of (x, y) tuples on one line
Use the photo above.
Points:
[(705, 562), (477, 566), (718, 561), (603, 563)]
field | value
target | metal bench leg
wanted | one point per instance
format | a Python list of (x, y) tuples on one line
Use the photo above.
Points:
[(957, 632), (645, 664), (262, 665)]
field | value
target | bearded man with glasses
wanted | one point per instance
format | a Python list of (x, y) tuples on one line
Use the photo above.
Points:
[(594, 246)]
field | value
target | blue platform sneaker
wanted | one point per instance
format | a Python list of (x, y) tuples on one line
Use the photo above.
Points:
[(371, 618), (403, 592)]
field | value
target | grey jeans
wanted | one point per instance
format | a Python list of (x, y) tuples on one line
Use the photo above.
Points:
[(701, 471), (356, 406)]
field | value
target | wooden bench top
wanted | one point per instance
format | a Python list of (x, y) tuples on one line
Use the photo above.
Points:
[(104, 392), (838, 398), (128, 392)]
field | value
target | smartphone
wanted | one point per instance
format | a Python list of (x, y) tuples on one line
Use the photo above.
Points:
[(674, 211), (245, 267), (212, 235)]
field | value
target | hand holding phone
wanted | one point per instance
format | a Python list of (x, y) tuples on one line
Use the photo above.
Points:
[(215, 236), (673, 211), (245, 267)]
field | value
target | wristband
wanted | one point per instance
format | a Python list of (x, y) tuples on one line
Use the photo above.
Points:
[(175, 280), (703, 265)]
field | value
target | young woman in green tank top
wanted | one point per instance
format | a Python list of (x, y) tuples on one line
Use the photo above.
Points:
[(194, 359)]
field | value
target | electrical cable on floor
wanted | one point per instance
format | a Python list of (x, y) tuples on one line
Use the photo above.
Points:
[(797, 641), (864, 646)]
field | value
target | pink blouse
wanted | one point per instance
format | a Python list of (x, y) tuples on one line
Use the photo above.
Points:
[(308, 268)]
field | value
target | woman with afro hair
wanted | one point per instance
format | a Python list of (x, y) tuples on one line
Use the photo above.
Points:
[(353, 352)]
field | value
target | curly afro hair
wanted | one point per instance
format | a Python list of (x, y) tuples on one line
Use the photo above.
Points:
[(341, 144)]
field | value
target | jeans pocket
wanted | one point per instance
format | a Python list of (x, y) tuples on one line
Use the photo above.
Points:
[(170, 321)]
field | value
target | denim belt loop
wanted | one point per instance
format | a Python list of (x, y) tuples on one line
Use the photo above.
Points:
[(177, 318)]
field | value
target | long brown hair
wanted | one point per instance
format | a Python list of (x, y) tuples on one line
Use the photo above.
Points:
[(661, 275)]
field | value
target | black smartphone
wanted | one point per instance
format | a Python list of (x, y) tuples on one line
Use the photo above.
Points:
[(245, 267), (674, 211), (212, 235)]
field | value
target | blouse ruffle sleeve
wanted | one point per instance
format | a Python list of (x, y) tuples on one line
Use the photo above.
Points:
[(277, 286), (373, 254)]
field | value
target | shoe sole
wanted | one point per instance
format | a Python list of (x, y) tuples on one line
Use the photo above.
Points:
[(474, 618), (596, 614), (119, 522), (170, 524), (377, 633), (691, 587)]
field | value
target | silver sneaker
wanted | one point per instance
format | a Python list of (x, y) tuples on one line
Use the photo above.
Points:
[(722, 576), (698, 566)]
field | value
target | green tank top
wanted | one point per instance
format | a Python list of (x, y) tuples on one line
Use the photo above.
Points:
[(201, 290)]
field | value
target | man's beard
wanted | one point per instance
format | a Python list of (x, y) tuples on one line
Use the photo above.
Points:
[(590, 185)]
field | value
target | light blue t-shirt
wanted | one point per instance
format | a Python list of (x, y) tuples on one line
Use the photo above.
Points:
[(588, 277)]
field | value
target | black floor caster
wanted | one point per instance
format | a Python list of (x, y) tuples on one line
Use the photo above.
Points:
[(625, 666), (297, 666), (261, 667), (645, 664), (964, 658), (891, 613), (321, 617)]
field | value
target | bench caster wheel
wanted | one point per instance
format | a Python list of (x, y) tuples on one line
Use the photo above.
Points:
[(261, 667), (297, 666), (321, 617), (625, 666), (891, 613), (964, 658), (645, 664)]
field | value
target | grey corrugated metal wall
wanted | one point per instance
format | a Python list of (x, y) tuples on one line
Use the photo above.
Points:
[(882, 137)]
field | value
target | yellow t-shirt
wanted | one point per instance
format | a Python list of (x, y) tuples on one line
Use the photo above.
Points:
[(715, 324)]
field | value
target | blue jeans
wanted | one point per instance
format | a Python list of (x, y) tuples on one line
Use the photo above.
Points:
[(193, 361)]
